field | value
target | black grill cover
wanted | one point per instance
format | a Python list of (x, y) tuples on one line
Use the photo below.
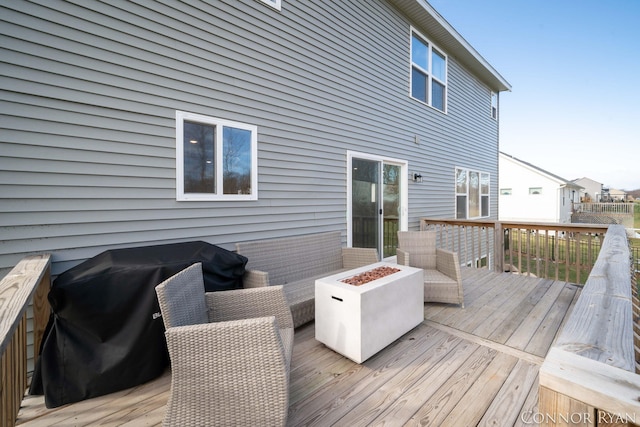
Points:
[(105, 333)]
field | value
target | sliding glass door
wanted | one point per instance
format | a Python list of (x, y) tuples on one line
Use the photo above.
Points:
[(377, 202)]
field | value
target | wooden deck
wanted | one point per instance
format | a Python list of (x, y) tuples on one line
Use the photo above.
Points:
[(460, 367)]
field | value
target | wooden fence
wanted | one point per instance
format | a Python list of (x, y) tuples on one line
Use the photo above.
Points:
[(589, 377), (556, 251), (28, 282)]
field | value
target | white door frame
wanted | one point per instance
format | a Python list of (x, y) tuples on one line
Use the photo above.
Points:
[(404, 188)]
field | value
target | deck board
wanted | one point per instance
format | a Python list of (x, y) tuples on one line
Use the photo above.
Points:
[(436, 407), (524, 333), (380, 379), (529, 408), (506, 407), (460, 367), (546, 333), (517, 313), (471, 408)]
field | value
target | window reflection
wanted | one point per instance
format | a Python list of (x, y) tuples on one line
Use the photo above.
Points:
[(474, 195), (419, 85), (236, 161), (438, 67), (437, 97), (198, 146), (419, 52), (461, 181)]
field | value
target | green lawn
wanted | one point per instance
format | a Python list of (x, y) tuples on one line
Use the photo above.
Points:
[(547, 254)]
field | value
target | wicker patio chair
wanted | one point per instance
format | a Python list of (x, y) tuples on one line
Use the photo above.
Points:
[(230, 353), (442, 278)]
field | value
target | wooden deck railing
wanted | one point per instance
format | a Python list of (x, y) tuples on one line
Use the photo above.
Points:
[(603, 213), (589, 374), (29, 281), (607, 208), (478, 243), (556, 251)]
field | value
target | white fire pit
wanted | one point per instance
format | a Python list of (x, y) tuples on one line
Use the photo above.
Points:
[(359, 321)]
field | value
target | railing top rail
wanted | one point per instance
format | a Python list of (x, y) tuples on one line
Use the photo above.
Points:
[(460, 222), (16, 290), (583, 228), (601, 323)]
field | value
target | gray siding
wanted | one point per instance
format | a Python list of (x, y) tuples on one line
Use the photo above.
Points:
[(89, 94)]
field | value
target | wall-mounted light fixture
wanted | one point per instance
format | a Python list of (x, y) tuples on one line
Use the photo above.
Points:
[(417, 177)]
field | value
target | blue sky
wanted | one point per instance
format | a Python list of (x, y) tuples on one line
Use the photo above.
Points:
[(574, 68)]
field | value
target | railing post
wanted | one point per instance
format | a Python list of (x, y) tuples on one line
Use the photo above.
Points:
[(498, 246), (16, 291)]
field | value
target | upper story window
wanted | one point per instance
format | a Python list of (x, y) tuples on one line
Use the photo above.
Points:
[(494, 105), (428, 72), (215, 159), (274, 3), (506, 191), (472, 194)]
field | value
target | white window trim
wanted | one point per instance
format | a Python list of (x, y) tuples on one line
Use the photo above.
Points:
[(181, 117), (429, 72), (480, 193), (276, 4)]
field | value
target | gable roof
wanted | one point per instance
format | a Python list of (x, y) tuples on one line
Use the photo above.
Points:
[(586, 179), (443, 34), (559, 179)]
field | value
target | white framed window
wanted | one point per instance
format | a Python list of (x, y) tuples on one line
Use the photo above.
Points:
[(472, 194), (276, 4), (506, 191), (428, 72), (534, 191), (494, 105), (216, 159)]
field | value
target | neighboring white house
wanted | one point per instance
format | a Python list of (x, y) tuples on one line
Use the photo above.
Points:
[(615, 195), (531, 194), (592, 190)]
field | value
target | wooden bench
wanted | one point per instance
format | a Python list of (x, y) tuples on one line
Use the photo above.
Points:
[(590, 372), (296, 262)]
